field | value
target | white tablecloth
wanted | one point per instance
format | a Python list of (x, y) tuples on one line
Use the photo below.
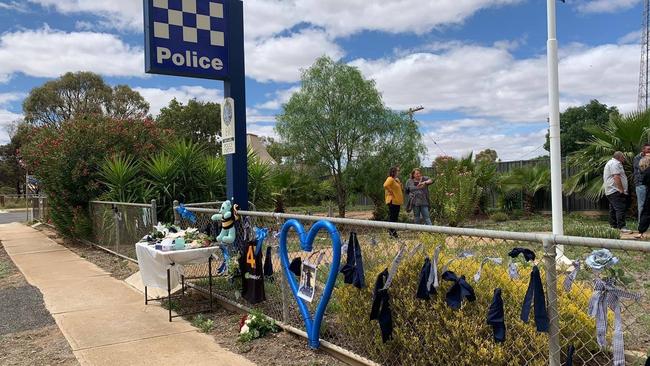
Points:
[(154, 263)]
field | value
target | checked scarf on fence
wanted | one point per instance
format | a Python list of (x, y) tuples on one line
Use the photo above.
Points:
[(605, 296)]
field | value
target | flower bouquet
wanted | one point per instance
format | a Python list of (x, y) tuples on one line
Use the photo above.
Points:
[(256, 325)]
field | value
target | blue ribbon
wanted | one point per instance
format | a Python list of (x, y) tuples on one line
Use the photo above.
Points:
[(260, 235), (186, 214)]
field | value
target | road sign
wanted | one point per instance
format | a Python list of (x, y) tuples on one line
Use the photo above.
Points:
[(228, 126), (187, 38)]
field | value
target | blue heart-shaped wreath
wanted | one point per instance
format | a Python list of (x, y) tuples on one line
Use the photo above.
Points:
[(312, 324)]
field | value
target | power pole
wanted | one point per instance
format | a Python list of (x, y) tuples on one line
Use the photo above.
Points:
[(645, 53), (412, 111)]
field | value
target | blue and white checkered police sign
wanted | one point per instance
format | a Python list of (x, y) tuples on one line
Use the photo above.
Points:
[(186, 38)]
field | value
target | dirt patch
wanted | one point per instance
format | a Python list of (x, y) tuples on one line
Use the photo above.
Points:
[(282, 348), (10, 277), (44, 346), (276, 349), (29, 335), (116, 266)]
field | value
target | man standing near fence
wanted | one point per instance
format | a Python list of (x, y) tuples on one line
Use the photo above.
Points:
[(640, 187), (616, 190)]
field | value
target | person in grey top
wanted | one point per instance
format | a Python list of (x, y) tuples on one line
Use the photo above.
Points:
[(638, 179), (616, 190), (417, 194)]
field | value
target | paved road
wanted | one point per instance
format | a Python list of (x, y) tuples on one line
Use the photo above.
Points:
[(15, 216)]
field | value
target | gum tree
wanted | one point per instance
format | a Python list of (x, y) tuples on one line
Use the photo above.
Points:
[(335, 117)]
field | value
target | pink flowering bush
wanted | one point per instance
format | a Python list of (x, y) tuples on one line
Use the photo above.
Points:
[(66, 160)]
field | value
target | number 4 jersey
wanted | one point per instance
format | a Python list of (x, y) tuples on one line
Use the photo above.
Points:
[(252, 271)]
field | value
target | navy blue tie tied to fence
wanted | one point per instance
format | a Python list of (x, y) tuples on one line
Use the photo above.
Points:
[(353, 269), (569, 356), (535, 296), (528, 254), (425, 286), (459, 290), (312, 322), (495, 317), (295, 266), (268, 264), (380, 309)]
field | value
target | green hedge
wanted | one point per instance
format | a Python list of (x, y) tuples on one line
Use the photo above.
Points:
[(429, 332)]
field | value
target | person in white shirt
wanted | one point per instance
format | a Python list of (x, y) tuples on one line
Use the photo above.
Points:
[(616, 190)]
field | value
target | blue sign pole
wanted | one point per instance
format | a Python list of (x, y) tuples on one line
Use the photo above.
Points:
[(235, 87), (204, 39)]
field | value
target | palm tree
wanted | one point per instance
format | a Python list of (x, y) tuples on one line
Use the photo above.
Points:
[(529, 180), (623, 133)]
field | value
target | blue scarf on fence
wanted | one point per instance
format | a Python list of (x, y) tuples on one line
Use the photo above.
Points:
[(535, 294)]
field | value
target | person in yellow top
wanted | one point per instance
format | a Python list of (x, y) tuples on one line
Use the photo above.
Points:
[(394, 196)]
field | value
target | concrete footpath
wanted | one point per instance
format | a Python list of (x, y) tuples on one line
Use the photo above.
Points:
[(105, 320)]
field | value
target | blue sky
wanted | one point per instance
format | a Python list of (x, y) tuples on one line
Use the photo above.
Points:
[(477, 66)]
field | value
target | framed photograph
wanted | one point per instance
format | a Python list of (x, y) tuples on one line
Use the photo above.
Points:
[(307, 287)]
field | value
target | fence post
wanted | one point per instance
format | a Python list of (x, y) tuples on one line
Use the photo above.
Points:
[(285, 299), (177, 217), (154, 213), (40, 209), (116, 221), (554, 347)]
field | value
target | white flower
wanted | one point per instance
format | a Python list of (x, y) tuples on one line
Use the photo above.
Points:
[(244, 329), (248, 321), (161, 228)]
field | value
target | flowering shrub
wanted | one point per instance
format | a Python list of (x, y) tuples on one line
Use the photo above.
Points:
[(430, 332), (66, 160), (455, 193), (256, 325)]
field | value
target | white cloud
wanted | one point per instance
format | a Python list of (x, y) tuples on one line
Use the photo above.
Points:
[(159, 98), (47, 52), (6, 98), (261, 129), (119, 14), (632, 37), (14, 5), (7, 118), (460, 137), (345, 17), (606, 6), (280, 59), (265, 18), (278, 98), (491, 82)]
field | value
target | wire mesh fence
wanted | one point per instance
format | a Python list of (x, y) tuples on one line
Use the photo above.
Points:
[(429, 331), (13, 201), (39, 209), (118, 226), (621, 292)]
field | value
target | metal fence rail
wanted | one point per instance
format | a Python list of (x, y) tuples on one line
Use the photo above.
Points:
[(428, 331)]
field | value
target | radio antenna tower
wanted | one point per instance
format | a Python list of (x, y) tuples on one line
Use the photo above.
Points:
[(645, 53)]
